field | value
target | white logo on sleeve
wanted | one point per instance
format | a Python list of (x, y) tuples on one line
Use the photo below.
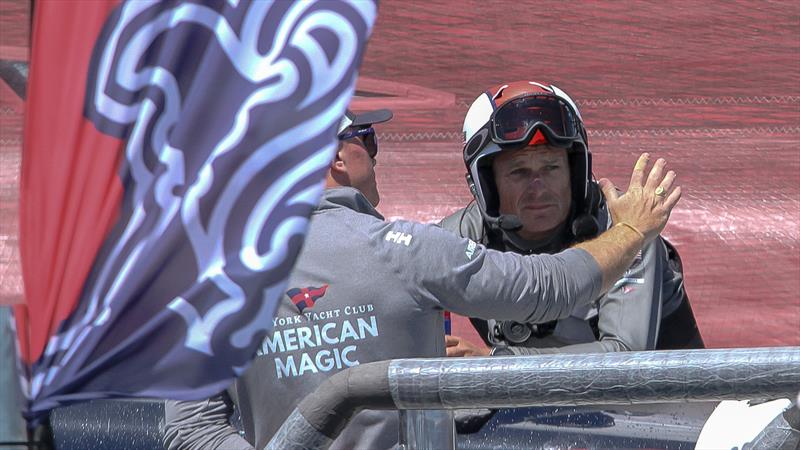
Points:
[(399, 238), (471, 246)]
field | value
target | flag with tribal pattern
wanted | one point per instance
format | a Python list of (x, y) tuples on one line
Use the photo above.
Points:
[(173, 153)]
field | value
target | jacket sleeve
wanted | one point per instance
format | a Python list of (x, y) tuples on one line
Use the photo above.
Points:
[(201, 425), (630, 314), (442, 270)]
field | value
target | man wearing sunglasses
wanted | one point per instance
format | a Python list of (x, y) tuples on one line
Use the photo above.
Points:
[(355, 161), (364, 289), (529, 170)]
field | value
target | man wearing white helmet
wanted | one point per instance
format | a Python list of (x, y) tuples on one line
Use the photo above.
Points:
[(529, 170)]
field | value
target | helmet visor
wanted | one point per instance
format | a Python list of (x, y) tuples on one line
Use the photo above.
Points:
[(515, 121)]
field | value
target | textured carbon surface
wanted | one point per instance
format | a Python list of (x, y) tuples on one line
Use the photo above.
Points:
[(297, 434), (553, 380)]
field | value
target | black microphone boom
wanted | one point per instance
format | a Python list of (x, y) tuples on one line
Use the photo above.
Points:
[(505, 222)]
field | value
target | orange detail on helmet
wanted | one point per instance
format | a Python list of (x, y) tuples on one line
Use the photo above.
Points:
[(538, 139)]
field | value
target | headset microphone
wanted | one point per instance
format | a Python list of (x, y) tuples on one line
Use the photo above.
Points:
[(505, 222)]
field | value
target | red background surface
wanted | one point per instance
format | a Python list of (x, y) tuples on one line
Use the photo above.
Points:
[(712, 86)]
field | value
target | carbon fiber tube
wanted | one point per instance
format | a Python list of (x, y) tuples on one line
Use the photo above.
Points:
[(297, 434), (516, 381), (609, 378), (321, 416)]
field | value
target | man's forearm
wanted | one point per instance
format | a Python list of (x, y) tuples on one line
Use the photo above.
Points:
[(614, 251)]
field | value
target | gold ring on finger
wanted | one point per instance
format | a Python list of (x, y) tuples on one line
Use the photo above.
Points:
[(661, 192)]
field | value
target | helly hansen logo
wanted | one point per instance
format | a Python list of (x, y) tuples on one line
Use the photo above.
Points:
[(471, 246), (399, 238), (305, 297)]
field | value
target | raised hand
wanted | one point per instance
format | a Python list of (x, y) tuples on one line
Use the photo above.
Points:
[(647, 204)]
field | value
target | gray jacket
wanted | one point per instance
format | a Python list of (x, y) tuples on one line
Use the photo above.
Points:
[(364, 290), (628, 316)]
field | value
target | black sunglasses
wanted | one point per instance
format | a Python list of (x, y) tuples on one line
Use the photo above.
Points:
[(367, 136)]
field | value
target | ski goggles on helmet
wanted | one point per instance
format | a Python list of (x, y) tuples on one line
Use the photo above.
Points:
[(519, 121), (366, 136)]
